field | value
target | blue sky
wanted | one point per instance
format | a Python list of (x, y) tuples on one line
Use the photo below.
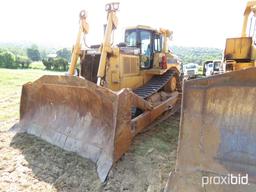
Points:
[(55, 22)]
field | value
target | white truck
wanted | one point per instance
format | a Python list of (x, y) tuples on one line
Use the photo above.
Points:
[(211, 67), (190, 70)]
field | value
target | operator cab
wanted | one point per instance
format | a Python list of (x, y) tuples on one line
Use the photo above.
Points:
[(147, 40)]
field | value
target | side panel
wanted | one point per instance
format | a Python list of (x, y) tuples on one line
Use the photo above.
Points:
[(238, 48), (130, 71)]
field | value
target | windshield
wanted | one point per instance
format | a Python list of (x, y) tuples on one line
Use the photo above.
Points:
[(145, 37), (210, 65), (217, 64), (130, 38), (192, 66)]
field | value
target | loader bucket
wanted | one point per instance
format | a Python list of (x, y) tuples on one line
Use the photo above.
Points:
[(217, 141), (79, 116)]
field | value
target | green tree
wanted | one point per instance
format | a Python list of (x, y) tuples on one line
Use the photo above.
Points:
[(48, 63), (56, 64), (64, 53), (7, 60), (33, 53), (196, 54), (60, 64), (23, 61)]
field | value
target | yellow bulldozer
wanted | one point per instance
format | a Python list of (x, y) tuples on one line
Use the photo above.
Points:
[(217, 140), (120, 90), (240, 53)]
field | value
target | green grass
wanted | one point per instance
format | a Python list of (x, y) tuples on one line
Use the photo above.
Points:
[(37, 65), (200, 70), (11, 81), (162, 139)]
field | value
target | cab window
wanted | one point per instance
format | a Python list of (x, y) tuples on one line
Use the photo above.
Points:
[(157, 43), (145, 37), (131, 38), (146, 49)]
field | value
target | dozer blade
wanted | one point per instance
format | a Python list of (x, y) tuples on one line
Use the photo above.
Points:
[(217, 141), (79, 116)]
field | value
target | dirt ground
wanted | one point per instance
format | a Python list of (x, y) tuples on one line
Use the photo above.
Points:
[(30, 164)]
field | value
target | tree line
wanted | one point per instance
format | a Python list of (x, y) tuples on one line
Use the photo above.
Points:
[(21, 57), (15, 57), (197, 54)]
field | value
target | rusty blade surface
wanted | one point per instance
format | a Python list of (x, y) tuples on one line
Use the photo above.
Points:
[(217, 132), (73, 114)]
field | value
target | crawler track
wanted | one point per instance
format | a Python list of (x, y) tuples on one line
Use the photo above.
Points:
[(154, 85), (151, 87)]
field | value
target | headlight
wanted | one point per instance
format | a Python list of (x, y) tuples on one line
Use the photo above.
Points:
[(112, 6), (115, 6), (83, 14), (108, 7)]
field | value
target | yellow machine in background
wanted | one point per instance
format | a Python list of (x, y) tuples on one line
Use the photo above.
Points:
[(121, 90), (217, 145), (240, 53)]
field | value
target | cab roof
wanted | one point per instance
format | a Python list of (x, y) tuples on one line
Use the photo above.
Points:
[(162, 31), (145, 27)]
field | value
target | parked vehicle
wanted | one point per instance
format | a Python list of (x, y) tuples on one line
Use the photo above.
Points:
[(190, 70), (211, 67)]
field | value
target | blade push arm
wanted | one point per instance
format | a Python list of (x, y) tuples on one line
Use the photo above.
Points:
[(167, 34), (250, 7), (83, 29), (106, 44)]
